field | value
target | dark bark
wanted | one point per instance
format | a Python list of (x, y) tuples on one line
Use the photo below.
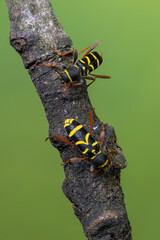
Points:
[(97, 199)]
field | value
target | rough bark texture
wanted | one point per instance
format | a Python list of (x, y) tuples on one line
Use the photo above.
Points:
[(97, 199)]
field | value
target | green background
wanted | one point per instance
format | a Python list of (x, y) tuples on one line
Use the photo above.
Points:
[(32, 204)]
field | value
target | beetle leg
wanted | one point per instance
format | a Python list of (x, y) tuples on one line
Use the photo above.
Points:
[(112, 151), (93, 78), (73, 160), (90, 82), (63, 54), (60, 138), (75, 56), (45, 64), (67, 86), (102, 133), (94, 170), (100, 76)]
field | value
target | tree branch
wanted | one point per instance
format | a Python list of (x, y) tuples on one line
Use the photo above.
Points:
[(97, 199)]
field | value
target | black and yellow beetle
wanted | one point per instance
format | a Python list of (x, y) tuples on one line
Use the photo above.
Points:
[(82, 68), (89, 147)]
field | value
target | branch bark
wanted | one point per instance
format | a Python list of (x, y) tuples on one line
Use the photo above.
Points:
[(97, 199)]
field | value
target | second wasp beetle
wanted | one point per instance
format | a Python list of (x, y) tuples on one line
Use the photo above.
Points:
[(89, 147), (81, 69)]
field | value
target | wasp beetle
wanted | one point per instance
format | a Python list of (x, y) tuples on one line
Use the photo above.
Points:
[(80, 68), (89, 147)]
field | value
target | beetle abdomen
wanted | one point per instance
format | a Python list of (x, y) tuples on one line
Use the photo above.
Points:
[(84, 141)]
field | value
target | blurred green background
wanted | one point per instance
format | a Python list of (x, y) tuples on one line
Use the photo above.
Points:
[(32, 204)]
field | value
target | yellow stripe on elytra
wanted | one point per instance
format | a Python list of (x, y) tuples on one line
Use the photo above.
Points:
[(82, 61), (93, 144), (86, 150), (96, 59), (68, 75), (68, 122), (88, 60), (93, 157), (76, 66), (96, 154), (75, 130), (91, 66), (93, 150), (101, 166), (82, 142)]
